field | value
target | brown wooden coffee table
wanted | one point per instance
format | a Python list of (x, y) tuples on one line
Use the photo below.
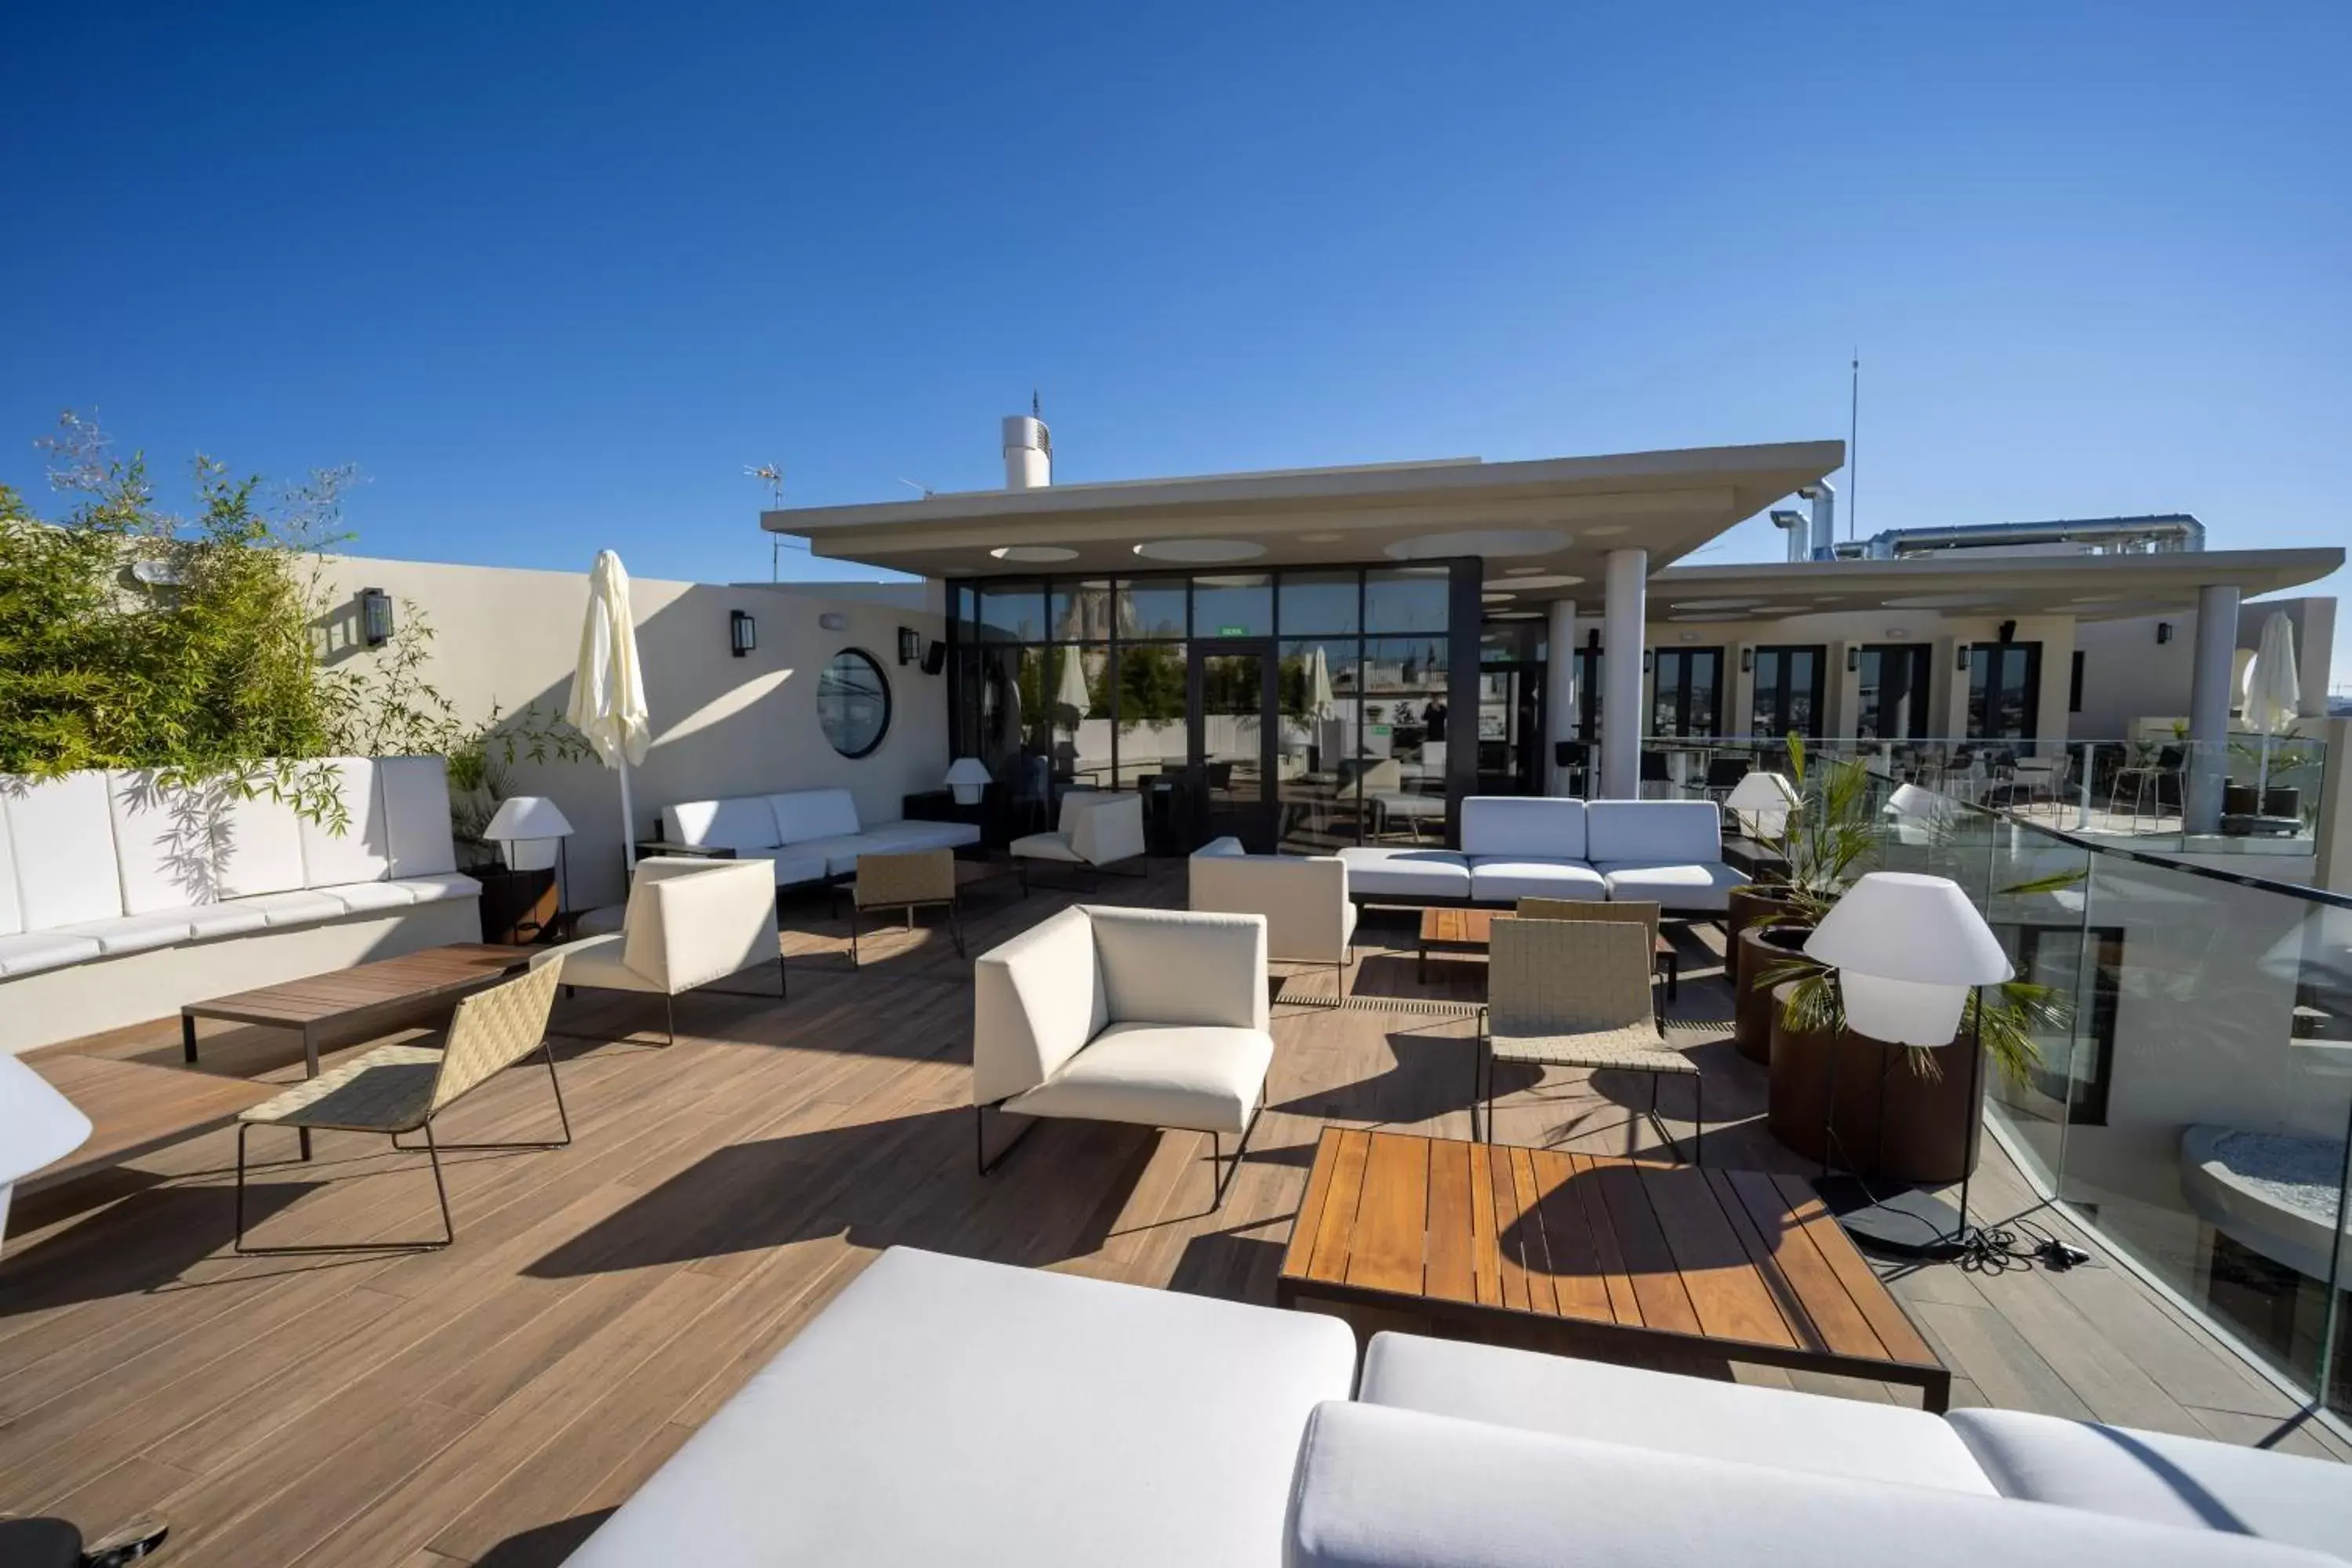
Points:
[(1613, 1257), (359, 1003), (1447, 929)]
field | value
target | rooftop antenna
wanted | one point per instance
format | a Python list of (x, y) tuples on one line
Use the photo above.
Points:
[(1036, 410), (772, 475), (925, 489), (1852, 443)]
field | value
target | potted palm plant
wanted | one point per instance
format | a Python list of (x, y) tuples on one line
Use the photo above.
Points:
[(1824, 844)]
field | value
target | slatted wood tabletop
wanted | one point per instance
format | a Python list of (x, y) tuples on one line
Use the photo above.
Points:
[(1729, 1265), (423, 977)]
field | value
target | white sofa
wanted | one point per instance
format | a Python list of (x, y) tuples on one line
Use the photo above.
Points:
[(806, 835), (1155, 1018), (1668, 852), (1310, 918), (688, 922), (120, 900), (944, 1410)]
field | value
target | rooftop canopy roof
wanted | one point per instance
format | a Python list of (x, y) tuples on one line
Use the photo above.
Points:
[(1564, 514)]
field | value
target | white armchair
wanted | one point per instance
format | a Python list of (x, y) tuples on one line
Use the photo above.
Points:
[(1097, 828), (688, 922), (1153, 1017), (1304, 897)]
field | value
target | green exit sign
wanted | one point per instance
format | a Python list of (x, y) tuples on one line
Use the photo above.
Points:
[(1232, 631)]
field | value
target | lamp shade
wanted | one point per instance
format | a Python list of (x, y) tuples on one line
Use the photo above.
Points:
[(527, 817), (1762, 803), (1907, 948), (37, 1125), (968, 776)]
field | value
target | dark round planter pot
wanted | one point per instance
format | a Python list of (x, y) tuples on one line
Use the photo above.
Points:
[(1760, 947), (1890, 1121), (2282, 800), (1746, 907), (2238, 800)]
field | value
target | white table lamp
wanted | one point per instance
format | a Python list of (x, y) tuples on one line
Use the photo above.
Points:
[(38, 1127), (527, 824), (1761, 802), (968, 776)]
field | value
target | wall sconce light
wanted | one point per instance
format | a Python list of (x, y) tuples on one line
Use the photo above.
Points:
[(2009, 631), (742, 633), (1645, 661), (1748, 661), (1962, 663), (2164, 631), (375, 616), (1897, 634), (833, 621), (910, 647), (1852, 659)]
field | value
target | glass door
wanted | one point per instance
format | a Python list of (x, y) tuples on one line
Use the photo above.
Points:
[(1233, 729), (1684, 701), (2005, 692), (1893, 699), (1511, 743), (1788, 691)]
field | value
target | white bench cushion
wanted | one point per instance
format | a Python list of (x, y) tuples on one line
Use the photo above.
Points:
[(1502, 879), (1379, 870), (1193, 1076), (813, 814), (300, 907), (2163, 1479), (416, 793), (1381, 1488), (790, 866), (12, 914), (1701, 1417), (163, 842), (839, 854), (440, 885), (370, 898), (1702, 885), (362, 851), (1669, 830), (258, 848), (941, 1410), (1531, 827), (207, 922), (133, 933), (63, 837), (30, 952), (743, 824)]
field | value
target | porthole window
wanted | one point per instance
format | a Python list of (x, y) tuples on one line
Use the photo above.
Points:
[(852, 702)]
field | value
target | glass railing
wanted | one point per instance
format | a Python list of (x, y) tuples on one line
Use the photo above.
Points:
[(2251, 794), (2194, 1109)]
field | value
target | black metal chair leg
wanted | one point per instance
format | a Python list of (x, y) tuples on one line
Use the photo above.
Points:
[(784, 986), (432, 1152), (669, 1019), (1698, 1122), (980, 1129), (238, 1245)]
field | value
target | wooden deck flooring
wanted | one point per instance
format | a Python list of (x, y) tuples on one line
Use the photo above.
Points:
[(489, 1402)]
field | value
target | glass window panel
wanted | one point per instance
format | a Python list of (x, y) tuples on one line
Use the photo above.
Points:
[(1233, 605), (1072, 723), (1011, 612), (1407, 599), (1317, 603), (1152, 710), (961, 599), (1151, 607), (1401, 745), (1079, 612)]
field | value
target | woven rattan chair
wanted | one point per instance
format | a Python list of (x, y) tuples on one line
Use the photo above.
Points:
[(1663, 960), (913, 880), (1576, 994), (401, 1088)]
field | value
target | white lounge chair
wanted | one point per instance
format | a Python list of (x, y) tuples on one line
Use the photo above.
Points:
[(688, 922), (1097, 828)]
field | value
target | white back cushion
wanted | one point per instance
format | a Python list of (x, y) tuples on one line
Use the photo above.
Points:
[(363, 853), (415, 791), (743, 824), (63, 841), (1656, 830), (1037, 999), (814, 814), (1532, 827), (259, 847), (12, 914), (1169, 967), (167, 841)]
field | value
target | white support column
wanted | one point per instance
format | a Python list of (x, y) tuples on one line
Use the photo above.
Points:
[(1559, 691), (1624, 615), (2208, 706)]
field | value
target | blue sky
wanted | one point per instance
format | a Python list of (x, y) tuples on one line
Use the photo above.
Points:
[(553, 281)]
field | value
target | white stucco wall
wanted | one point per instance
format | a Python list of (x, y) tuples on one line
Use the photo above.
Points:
[(2127, 675), (721, 725)]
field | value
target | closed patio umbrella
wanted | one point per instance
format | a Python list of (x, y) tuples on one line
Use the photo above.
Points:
[(608, 693), (1072, 692), (2274, 691)]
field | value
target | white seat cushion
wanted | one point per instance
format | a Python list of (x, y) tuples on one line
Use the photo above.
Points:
[(1381, 1488), (1698, 1416), (258, 848), (1673, 830), (813, 814), (362, 851), (370, 898), (207, 922), (839, 854), (64, 842), (442, 885), (945, 1411), (30, 952), (1044, 847), (1530, 827), (1201, 1076), (2162, 1478), (416, 793), (301, 907), (790, 866), (741, 824), (1502, 879), (893, 836), (1383, 871), (1703, 885), (133, 933), (596, 961)]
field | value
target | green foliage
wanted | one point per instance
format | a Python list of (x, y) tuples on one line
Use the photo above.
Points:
[(1150, 684)]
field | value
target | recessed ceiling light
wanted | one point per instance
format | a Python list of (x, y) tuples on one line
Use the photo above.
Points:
[(1035, 553), (1514, 615), (1717, 604), (1696, 617), (1320, 538), (1606, 529), (1522, 571), (1548, 580), (1487, 542), (1941, 602), (1200, 550), (1779, 609), (1491, 598)]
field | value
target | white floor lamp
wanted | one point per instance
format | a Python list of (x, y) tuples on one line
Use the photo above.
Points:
[(1908, 948)]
